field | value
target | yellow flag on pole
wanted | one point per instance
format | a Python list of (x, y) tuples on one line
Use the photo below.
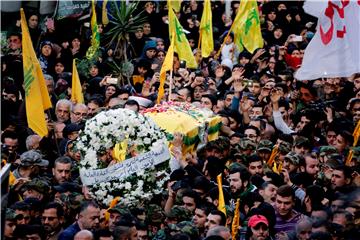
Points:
[(175, 4), (37, 98), (221, 206), (206, 33), (246, 27), (76, 89), (181, 44), (166, 66), (95, 36), (236, 221)]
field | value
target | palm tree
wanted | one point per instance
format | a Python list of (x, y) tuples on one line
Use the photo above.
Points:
[(123, 20)]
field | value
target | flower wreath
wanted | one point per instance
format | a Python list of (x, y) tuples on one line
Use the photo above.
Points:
[(142, 135)]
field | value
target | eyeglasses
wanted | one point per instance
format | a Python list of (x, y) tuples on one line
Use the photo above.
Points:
[(80, 114), (21, 217)]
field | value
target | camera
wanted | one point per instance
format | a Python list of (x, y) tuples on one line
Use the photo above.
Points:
[(182, 64)]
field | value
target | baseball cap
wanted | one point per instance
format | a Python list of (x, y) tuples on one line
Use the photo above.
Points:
[(265, 145), (37, 185), (32, 157), (293, 157), (67, 187), (10, 215), (256, 219)]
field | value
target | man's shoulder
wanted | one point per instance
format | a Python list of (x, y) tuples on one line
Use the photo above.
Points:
[(69, 232)]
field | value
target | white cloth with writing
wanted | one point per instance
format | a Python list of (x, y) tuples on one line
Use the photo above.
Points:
[(334, 50)]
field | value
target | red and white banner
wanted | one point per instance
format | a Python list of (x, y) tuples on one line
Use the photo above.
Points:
[(334, 50)]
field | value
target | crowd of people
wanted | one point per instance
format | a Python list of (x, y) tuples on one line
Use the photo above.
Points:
[(286, 148)]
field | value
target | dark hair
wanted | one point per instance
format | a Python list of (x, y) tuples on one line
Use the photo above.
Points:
[(102, 233), (63, 160), (84, 205), (221, 214), (285, 104), (253, 128), (206, 207), (347, 171), (211, 98), (57, 206), (244, 173), (22, 206), (132, 103), (180, 236), (8, 134), (286, 191), (191, 194), (201, 182), (214, 194), (97, 99), (276, 179)]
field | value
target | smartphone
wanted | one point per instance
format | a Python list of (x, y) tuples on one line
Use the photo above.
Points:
[(112, 80), (194, 17), (297, 39), (182, 64)]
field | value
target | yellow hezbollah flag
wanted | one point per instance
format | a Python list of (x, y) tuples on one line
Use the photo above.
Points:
[(221, 206), (175, 4), (95, 37), (36, 94), (206, 34), (166, 66), (246, 27), (182, 46), (76, 89), (236, 221)]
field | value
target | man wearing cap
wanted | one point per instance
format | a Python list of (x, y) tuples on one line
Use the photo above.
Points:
[(30, 164), (115, 215), (258, 228), (292, 162), (264, 149), (36, 188), (10, 223), (301, 145)]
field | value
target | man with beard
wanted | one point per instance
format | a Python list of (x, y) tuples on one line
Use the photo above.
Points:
[(239, 183), (62, 170), (52, 220), (88, 218)]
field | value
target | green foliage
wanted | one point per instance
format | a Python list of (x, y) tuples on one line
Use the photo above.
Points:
[(123, 20)]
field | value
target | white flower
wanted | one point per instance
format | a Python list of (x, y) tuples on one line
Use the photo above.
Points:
[(127, 186)]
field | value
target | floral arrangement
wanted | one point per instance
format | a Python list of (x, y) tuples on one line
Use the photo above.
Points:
[(109, 128)]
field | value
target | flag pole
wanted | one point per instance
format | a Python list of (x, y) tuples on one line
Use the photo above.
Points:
[(200, 35), (170, 87), (222, 45)]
